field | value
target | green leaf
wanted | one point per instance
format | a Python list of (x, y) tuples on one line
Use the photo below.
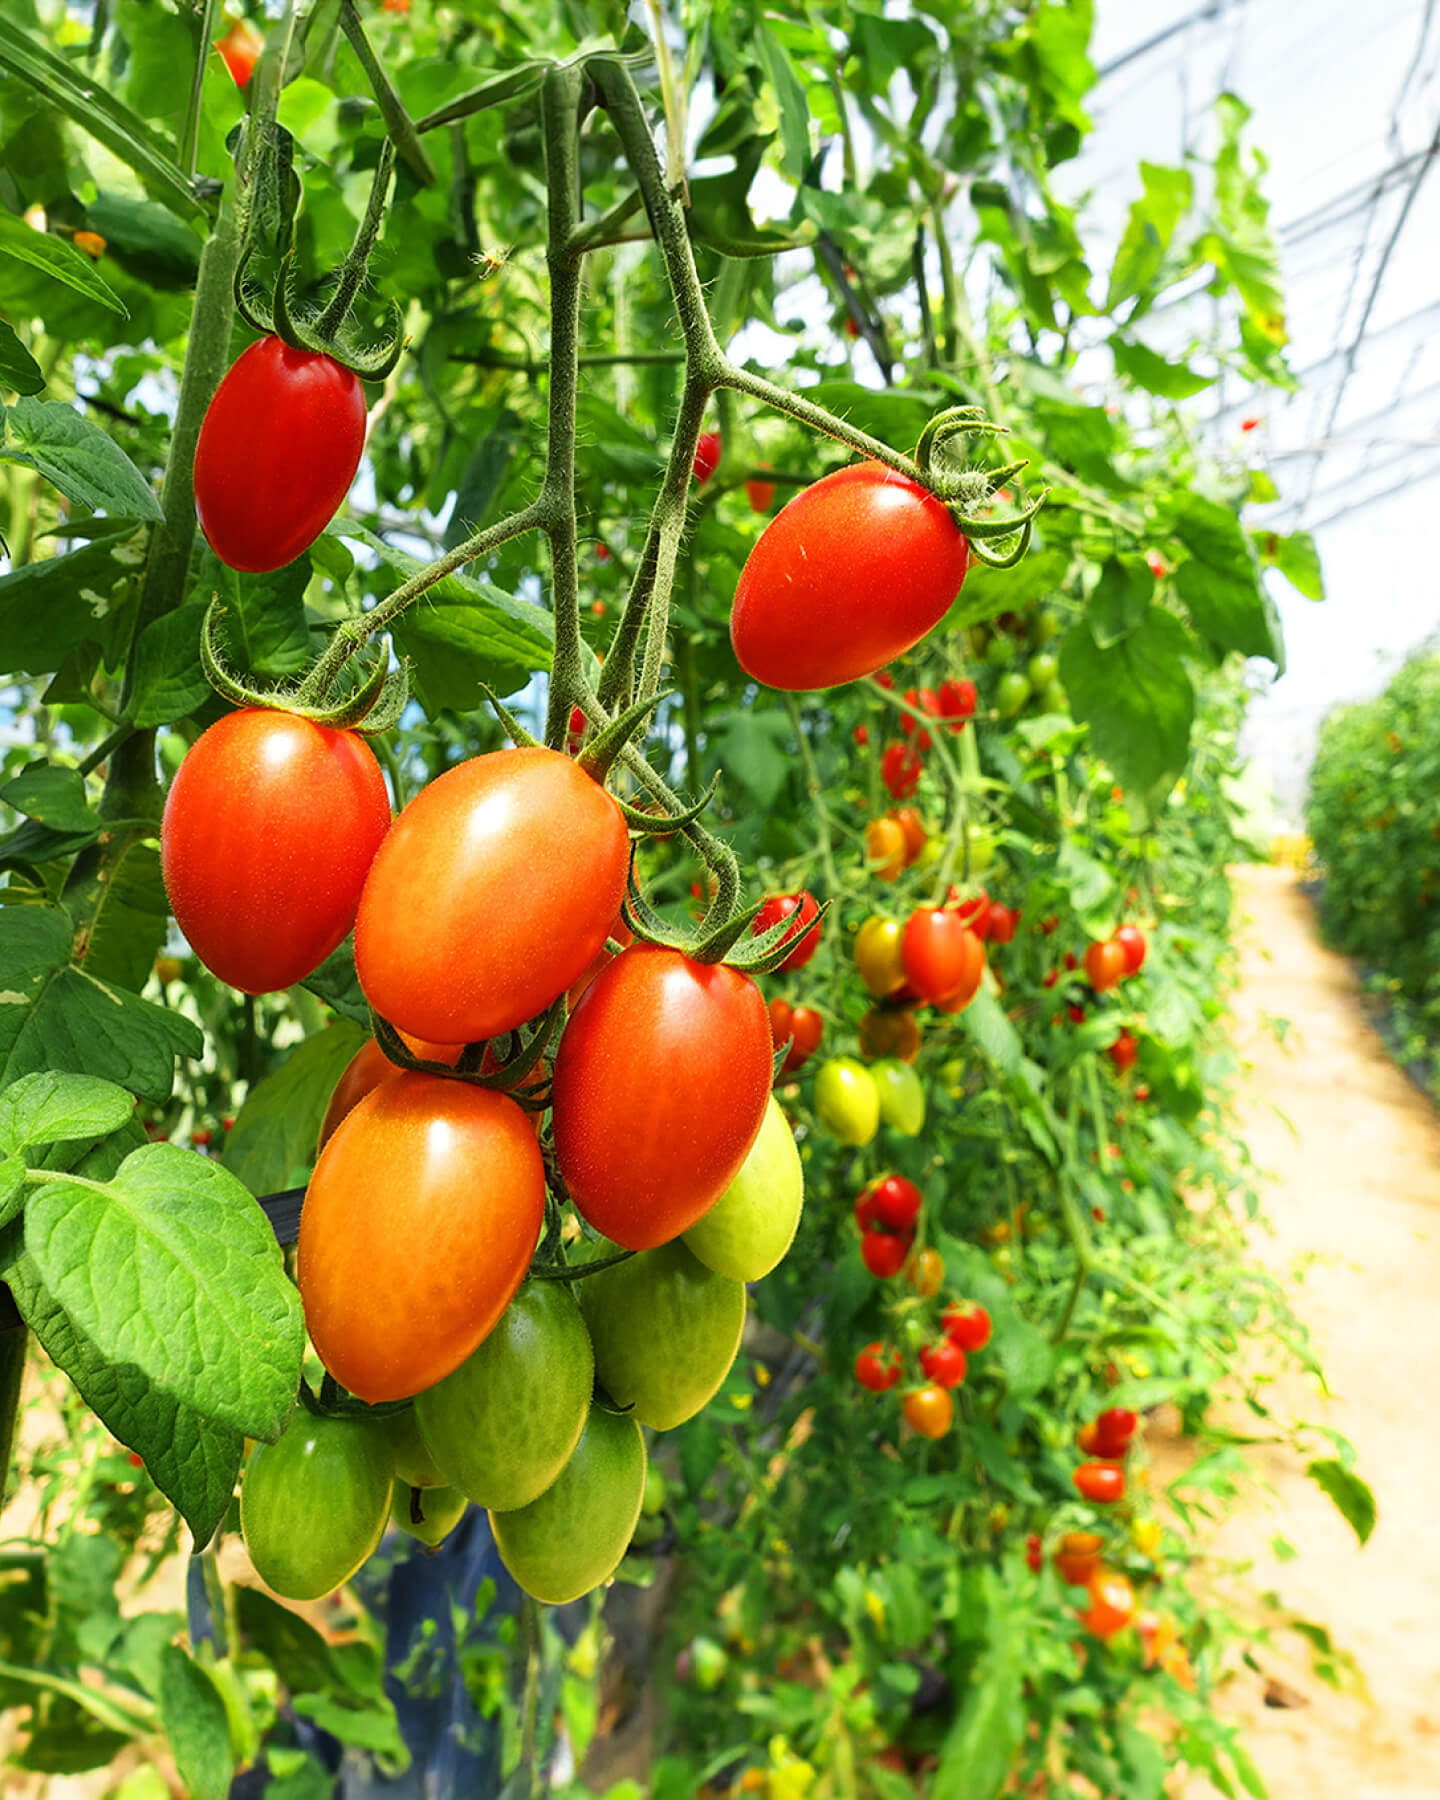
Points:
[(1170, 380), (990, 1029), (275, 1131), (794, 113), (980, 1748), (193, 1714), (173, 1268), (126, 916), (51, 795), (146, 240), (42, 1109), (58, 259), (753, 748), (84, 100), (47, 608), (1296, 558), (76, 456), (19, 371), (1153, 217), (191, 1459), (12, 1188), (336, 983), (1090, 883), (463, 633), (264, 615), (169, 681), (1220, 581), (365, 1728), (1121, 598), (896, 416), (54, 1016), (989, 591), (1353, 1499), (1136, 697)]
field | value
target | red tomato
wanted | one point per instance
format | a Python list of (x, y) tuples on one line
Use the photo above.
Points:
[(270, 828), (760, 494), (865, 1215), (974, 913), (1114, 1430), (900, 770), (1124, 1051), (660, 1087), (240, 48), (1104, 965), (895, 1202), (707, 455), (944, 1363), (575, 736), (1131, 940), (1112, 1604), (1158, 566), (929, 1410), (968, 1326), (1000, 923), (418, 1226), (943, 960), (1101, 1482), (800, 1026), (1035, 1561), (497, 888), (884, 1254), (925, 699), (861, 734), (957, 700), (1088, 1438), (854, 571), (877, 1368), (364, 1072), (780, 906), (278, 449)]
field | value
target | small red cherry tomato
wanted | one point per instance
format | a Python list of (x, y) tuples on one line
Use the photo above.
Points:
[(884, 1254), (1104, 965), (967, 1325), (1131, 940), (804, 907), (957, 700), (707, 456), (944, 1363), (900, 769), (895, 1202), (1101, 1482), (877, 1368)]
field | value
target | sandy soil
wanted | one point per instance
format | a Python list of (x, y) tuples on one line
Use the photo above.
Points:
[(1355, 1152)]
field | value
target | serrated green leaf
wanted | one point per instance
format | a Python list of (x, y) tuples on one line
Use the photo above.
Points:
[(1120, 598), (12, 1188), (1165, 200), (195, 1721), (1090, 883), (276, 1129), (77, 457), (53, 796), (1136, 362), (19, 371), (53, 1016), (172, 1267), (984, 1019), (49, 607), (751, 746), (1352, 1497), (1297, 559), (192, 1460), (59, 260), (336, 983), (264, 615), (1136, 697), (48, 1108)]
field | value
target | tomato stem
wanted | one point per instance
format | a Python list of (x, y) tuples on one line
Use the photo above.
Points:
[(13, 1341)]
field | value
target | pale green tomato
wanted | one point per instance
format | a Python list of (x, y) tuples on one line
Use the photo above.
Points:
[(751, 1226), (656, 1492), (847, 1102), (429, 1514), (412, 1462), (709, 1662), (931, 852), (902, 1096), (1054, 699), (982, 849)]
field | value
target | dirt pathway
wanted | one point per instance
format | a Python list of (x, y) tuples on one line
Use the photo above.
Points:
[(1355, 1152)]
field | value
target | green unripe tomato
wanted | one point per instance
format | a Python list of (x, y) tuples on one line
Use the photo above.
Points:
[(1044, 670), (753, 1223), (930, 853), (1054, 699), (313, 1506), (573, 1537), (847, 1102), (665, 1330), (656, 1493), (503, 1425), (412, 1462), (982, 848), (1000, 650), (902, 1096), (709, 1661), (1043, 628), (1011, 693), (429, 1514)]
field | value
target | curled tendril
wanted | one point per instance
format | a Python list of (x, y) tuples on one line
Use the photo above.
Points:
[(374, 706)]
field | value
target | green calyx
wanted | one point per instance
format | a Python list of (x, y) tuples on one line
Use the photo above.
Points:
[(371, 706), (965, 491)]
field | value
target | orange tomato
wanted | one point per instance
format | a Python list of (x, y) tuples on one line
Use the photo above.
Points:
[(929, 1410), (885, 849), (1112, 1604), (889, 1033), (927, 1273)]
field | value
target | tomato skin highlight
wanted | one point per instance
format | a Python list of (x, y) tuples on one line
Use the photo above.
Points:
[(895, 1202), (879, 955), (852, 572), (1112, 1604), (573, 1537), (418, 1226), (942, 958), (313, 1505), (270, 828), (471, 923), (1131, 940), (1104, 965), (660, 1088), (707, 456), (502, 1426), (278, 449), (364, 1072), (666, 1330), (1100, 1482), (967, 1326)]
